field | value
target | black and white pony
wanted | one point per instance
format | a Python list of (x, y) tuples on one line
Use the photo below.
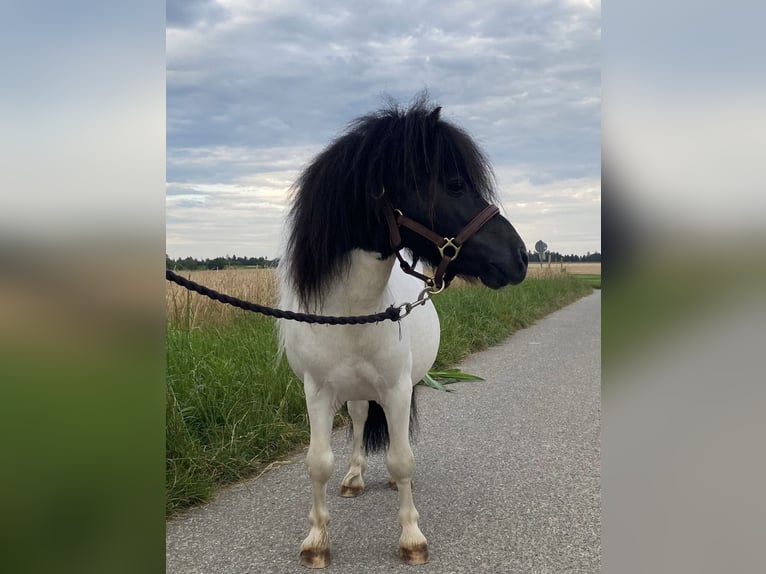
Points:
[(397, 178)]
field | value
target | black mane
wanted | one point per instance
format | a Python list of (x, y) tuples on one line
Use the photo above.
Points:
[(337, 198)]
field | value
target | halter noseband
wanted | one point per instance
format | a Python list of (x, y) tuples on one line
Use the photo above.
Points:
[(449, 247)]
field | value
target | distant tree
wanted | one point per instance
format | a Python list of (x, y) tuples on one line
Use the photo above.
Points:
[(557, 257), (225, 262), (593, 257)]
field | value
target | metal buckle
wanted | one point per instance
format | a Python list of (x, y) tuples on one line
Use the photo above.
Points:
[(449, 243), (424, 296), (434, 290)]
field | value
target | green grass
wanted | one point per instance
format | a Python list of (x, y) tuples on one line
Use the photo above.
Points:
[(232, 407), (594, 280)]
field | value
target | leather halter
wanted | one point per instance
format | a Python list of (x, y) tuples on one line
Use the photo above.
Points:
[(449, 247)]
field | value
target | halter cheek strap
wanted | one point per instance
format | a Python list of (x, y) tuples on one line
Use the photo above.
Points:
[(449, 247)]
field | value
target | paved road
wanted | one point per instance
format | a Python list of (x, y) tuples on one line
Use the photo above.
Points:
[(506, 477)]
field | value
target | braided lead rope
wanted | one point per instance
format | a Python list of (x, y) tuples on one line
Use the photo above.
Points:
[(391, 314)]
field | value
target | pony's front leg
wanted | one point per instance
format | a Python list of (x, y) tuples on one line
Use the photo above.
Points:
[(353, 482), (315, 550), (413, 547)]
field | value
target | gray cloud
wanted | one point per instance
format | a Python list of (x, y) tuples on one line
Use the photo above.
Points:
[(187, 13), (259, 88)]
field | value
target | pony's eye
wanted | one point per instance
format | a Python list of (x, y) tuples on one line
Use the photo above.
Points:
[(456, 186)]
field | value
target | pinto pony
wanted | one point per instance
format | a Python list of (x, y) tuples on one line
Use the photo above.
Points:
[(399, 178)]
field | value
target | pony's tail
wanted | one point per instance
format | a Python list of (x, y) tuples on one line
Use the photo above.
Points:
[(375, 437)]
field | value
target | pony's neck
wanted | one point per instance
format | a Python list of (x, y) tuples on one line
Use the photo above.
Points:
[(361, 288)]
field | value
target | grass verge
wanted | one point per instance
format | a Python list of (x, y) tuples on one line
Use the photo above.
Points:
[(592, 279), (232, 408)]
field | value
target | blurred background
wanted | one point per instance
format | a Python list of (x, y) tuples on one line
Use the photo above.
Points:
[(81, 307), (684, 313), (82, 110)]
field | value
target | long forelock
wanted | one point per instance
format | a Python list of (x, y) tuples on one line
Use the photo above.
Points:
[(394, 143), (459, 151)]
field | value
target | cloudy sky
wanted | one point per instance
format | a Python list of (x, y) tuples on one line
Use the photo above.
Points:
[(256, 88)]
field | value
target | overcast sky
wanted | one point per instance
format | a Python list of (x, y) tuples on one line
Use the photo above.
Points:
[(256, 89)]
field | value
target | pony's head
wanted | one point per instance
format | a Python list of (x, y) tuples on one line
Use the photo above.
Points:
[(423, 166)]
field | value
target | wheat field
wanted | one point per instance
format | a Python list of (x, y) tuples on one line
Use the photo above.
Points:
[(572, 268), (191, 309), (260, 286)]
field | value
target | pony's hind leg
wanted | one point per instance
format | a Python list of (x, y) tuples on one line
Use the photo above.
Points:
[(413, 547), (315, 550), (353, 483)]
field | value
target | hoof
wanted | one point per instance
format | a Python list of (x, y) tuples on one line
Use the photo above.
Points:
[(348, 491), (315, 558), (415, 555)]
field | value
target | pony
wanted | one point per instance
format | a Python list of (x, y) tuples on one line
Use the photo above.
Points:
[(399, 178)]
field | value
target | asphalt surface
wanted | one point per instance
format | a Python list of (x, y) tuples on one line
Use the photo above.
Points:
[(507, 476)]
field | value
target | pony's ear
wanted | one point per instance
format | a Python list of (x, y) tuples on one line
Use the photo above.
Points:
[(433, 117)]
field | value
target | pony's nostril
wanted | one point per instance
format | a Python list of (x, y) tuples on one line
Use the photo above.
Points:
[(524, 255)]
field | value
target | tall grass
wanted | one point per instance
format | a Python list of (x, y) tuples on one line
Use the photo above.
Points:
[(233, 407), (189, 309)]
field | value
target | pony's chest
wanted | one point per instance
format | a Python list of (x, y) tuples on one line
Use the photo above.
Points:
[(350, 355)]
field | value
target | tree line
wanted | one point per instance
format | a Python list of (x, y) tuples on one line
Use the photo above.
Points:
[(226, 262), (232, 261), (557, 257)]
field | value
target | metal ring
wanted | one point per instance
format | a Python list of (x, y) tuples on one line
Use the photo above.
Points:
[(448, 242), (434, 291)]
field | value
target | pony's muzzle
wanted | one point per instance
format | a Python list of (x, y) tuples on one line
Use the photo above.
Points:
[(512, 271)]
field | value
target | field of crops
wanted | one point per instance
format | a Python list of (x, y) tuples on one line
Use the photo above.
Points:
[(260, 286), (572, 268)]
